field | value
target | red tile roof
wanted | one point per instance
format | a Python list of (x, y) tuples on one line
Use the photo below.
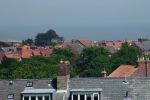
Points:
[(13, 55), (36, 52), (23, 48), (27, 54), (2, 55), (46, 52), (86, 42), (123, 70)]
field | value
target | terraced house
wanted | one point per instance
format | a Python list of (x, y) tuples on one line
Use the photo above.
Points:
[(66, 88)]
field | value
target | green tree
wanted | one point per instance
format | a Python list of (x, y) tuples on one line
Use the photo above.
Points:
[(70, 55), (7, 67), (126, 55), (28, 42), (92, 60), (46, 38)]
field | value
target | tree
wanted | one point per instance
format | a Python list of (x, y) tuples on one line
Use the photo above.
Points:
[(64, 52), (126, 55), (70, 55), (45, 38), (92, 60), (28, 42)]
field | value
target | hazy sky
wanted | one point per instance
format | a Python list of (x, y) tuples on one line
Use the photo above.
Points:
[(93, 19)]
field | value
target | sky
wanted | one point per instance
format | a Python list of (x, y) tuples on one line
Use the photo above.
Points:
[(72, 19)]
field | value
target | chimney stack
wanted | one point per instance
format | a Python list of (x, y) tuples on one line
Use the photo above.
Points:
[(104, 73), (144, 61), (63, 75)]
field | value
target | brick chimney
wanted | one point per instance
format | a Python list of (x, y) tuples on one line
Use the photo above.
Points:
[(104, 73), (144, 62), (63, 75)]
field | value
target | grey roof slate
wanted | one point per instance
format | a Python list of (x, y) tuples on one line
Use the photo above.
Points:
[(115, 88), (112, 88), (19, 85), (144, 45)]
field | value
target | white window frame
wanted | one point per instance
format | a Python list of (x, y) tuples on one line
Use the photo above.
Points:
[(85, 95), (36, 96), (96, 94)]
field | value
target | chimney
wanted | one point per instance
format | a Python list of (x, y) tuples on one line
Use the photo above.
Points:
[(104, 73), (144, 61), (140, 39), (63, 75)]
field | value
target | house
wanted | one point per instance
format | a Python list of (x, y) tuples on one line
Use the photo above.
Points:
[(2, 56), (3, 44), (14, 43), (142, 69), (9, 49), (13, 55), (113, 46), (66, 88), (143, 45), (77, 45), (30, 51), (85, 42), (123, 71)]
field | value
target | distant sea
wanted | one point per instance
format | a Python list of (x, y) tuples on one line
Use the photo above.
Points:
[(97, 33)]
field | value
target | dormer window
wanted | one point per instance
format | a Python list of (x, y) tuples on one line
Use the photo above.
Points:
[(86, 96), (10, 97), (29, 84)]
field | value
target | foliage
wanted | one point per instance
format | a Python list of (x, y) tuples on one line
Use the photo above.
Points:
[(43, 39), (92, 60), (70, 55), (28, 42), (89, 63), (126, 55), (36, 67)]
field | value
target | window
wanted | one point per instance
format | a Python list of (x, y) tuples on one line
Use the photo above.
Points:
[(40, 98), (29, 84), (82, 97), (75, 97), (95, 96), (10, 96), (33, 98), (46, 97), (88, 97), (26, 98)]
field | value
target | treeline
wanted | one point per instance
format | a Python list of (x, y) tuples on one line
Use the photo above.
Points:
[(89, 63), (41, 39)]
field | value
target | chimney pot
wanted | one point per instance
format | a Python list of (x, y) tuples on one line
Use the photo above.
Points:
[(104, 73)]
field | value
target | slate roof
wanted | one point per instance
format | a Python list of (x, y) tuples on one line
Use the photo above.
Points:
[(111, 49), (76, 47), (112, 88), (73, 45), (19, 85), (144, 45), (115, 88)]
